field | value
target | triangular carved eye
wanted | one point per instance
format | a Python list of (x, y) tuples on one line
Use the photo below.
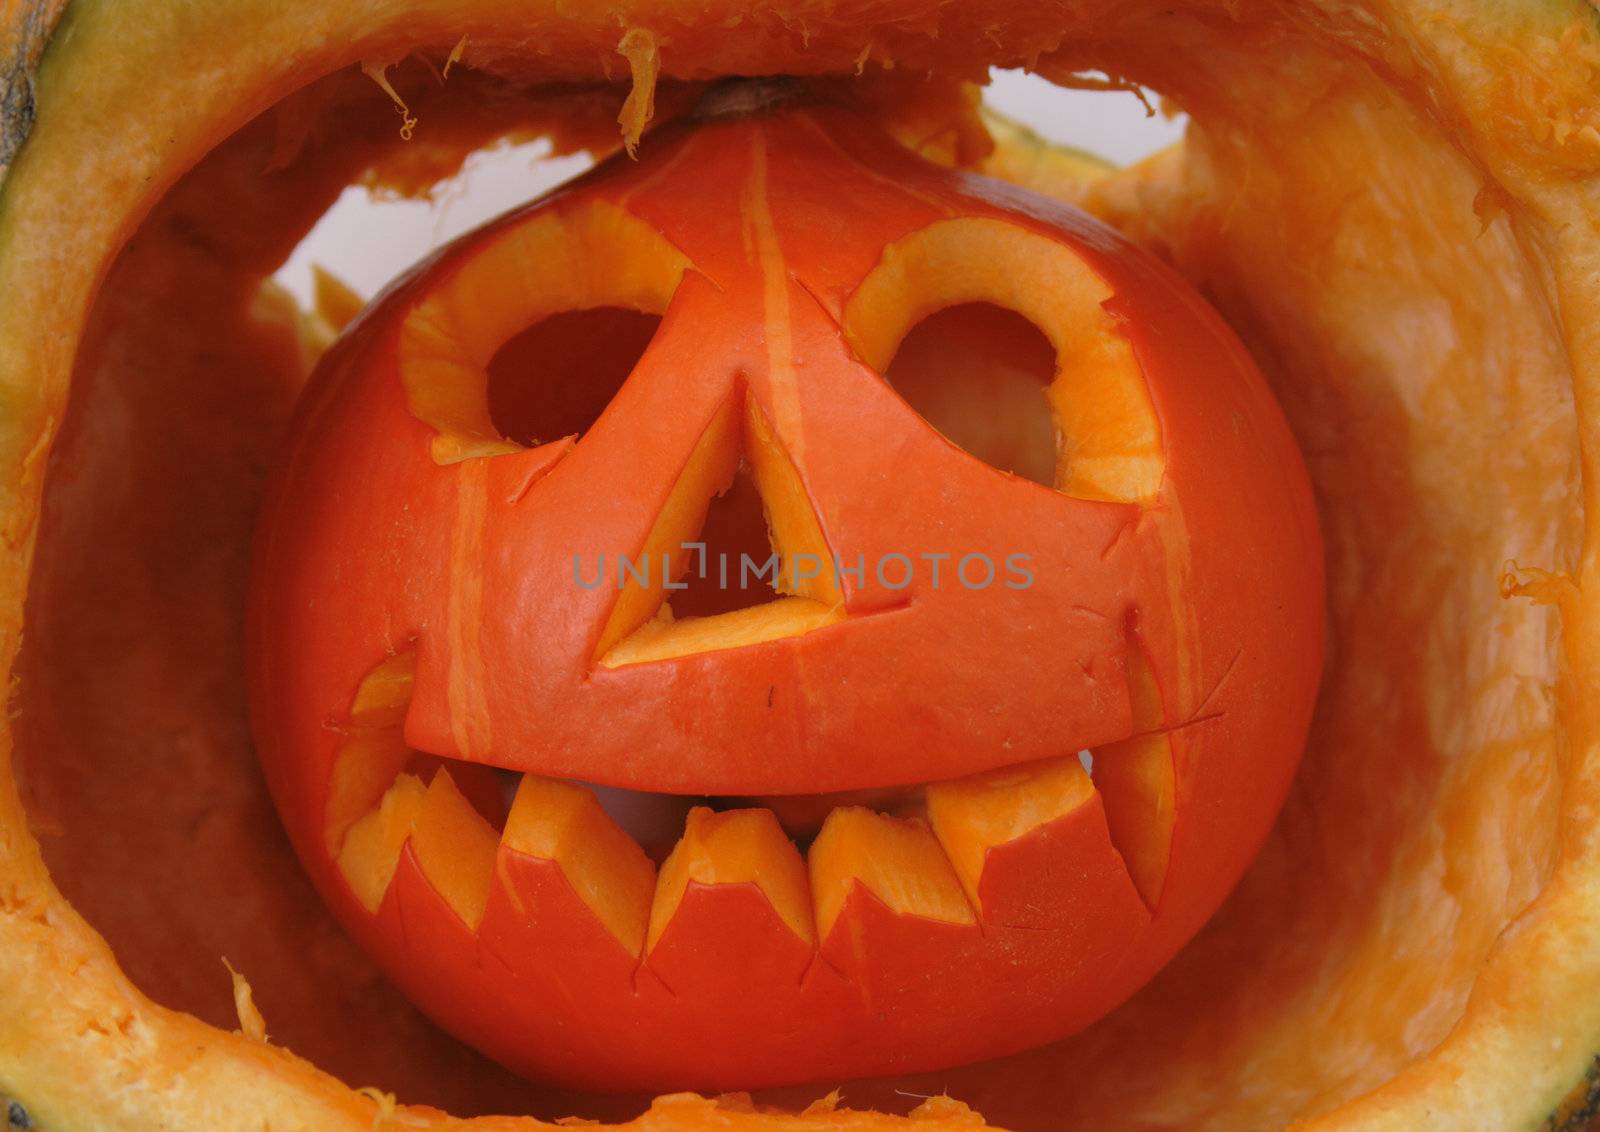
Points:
[(1108, 439)]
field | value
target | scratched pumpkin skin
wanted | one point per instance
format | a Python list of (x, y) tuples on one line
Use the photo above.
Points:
[(417, 623)]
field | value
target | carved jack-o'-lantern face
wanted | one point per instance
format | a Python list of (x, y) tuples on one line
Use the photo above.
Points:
[(493, 554)]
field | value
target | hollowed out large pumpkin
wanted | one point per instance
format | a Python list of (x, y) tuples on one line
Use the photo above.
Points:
[(1394, 207)]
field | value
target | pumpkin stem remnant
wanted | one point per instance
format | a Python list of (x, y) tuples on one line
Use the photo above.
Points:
[(375, 72), (638, 46), (737, 97), (251, 1024), (23, 33)]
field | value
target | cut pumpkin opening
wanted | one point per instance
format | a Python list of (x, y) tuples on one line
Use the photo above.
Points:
[(555, 378), (1107, 440), (922, 852), (798, 565), (716, 579), (500, 304), (979, 373), (1137, 780)]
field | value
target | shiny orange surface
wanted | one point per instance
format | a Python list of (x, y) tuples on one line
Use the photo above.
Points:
[(787, 254)]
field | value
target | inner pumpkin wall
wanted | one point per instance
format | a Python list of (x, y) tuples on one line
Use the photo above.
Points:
[(1401, 331), (133, 745), (1408, 336)]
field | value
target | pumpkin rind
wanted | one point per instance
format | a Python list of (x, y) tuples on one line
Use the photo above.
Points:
[(1511, 85)]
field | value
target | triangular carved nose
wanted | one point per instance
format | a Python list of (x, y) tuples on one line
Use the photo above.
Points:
[(797, 564)]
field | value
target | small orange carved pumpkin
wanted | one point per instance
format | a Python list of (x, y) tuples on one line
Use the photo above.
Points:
[(449, 588)]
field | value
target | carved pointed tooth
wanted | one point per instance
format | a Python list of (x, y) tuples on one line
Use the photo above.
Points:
[(366, 766), (1136, 781), (980, 812), (562, 822), (735, 847), (483, 786), (898, 860), (455, 848), (374, 752), (384, 693), (802, 815), (372, 847), (731, 939)]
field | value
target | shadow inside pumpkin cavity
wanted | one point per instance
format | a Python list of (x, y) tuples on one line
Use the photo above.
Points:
[(555, 378), (134, 752), (1423, 819), (1346, 952)]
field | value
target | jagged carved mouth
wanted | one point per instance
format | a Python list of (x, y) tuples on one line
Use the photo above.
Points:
[(553, 895), (918, 848)]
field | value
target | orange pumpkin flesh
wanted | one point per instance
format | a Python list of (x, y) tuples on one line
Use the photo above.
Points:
[(1416, 946), (421, 587)]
